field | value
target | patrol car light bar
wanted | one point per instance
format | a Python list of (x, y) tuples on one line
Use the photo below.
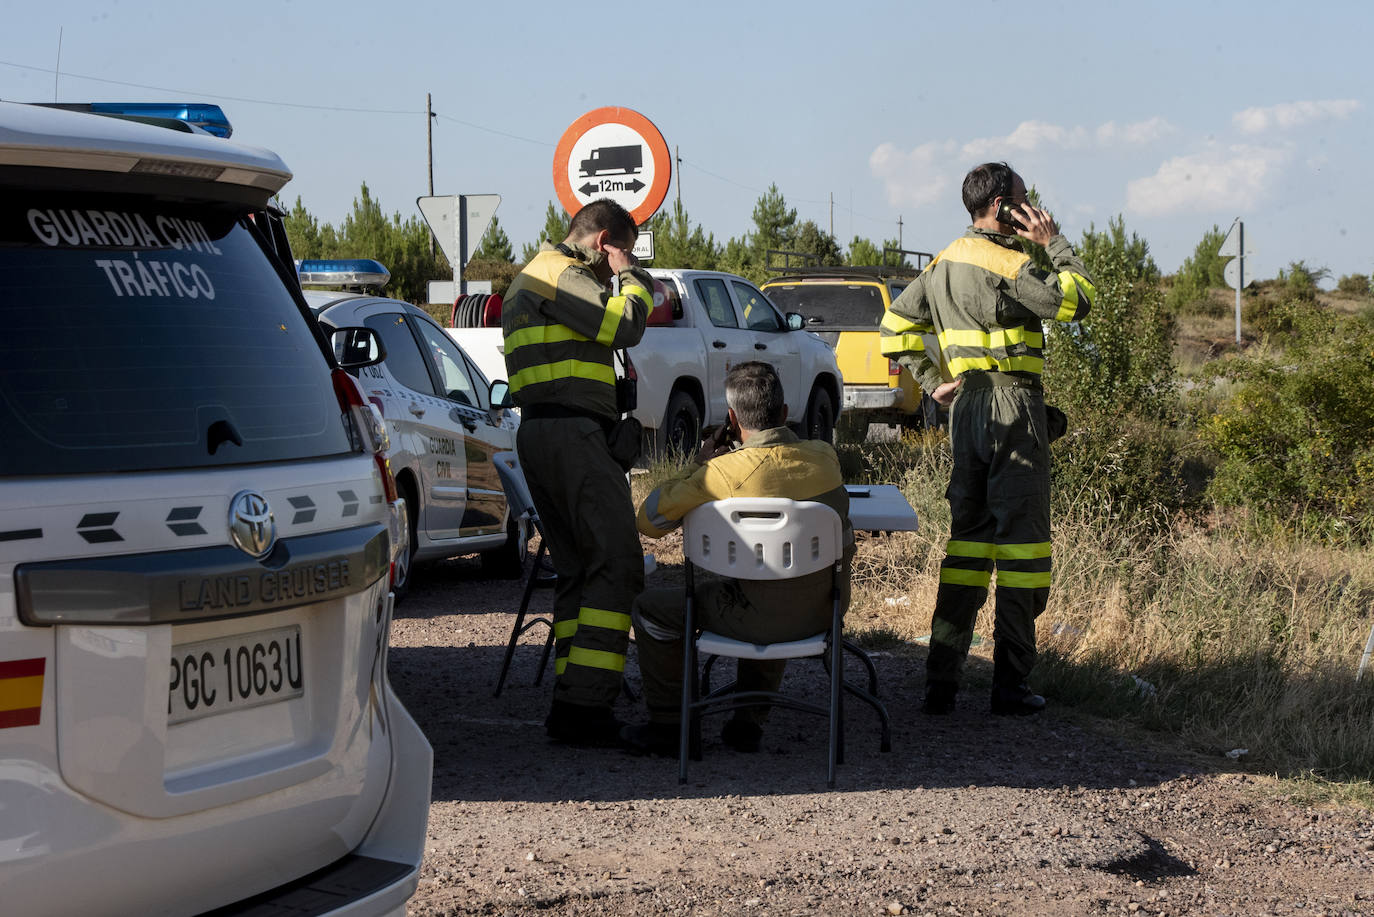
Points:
[(207, 117), (350, 272)]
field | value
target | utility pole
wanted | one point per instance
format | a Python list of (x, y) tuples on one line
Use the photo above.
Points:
[(832, 214), (678, 157), (899, 230), (57, 71), (429, 145)]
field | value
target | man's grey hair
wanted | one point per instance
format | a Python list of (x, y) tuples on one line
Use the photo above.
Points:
[(754, 391)]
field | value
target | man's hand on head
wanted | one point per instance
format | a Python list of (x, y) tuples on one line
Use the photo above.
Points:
[(619, 258)]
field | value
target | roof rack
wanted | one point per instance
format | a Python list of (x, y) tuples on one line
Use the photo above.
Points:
[(809, 268)]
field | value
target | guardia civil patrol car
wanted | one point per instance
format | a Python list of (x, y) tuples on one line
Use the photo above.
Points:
[(197, 529)]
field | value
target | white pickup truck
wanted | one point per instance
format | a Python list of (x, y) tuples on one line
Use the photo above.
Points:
[(703, 323)]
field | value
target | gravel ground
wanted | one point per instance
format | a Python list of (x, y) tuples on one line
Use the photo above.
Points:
[(968, 815)]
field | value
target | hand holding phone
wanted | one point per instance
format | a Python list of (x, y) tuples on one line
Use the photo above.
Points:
[(1006, 213)]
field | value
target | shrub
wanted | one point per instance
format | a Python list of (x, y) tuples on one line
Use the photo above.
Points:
[(1354, 285)]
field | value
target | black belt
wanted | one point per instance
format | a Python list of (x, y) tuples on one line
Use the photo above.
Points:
[(991, 378), (563, 412)]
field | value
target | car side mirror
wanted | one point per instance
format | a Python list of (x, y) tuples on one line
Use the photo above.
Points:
[(499, 395), (355, 348), (795, 321)]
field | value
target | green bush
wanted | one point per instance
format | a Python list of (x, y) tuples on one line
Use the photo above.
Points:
[(1296, 439), (1201, 272), (1354, 285)]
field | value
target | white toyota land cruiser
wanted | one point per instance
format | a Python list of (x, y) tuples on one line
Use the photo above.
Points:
[(197, 526)]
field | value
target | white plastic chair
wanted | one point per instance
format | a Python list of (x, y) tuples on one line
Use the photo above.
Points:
[(522, 508), (764, 538)]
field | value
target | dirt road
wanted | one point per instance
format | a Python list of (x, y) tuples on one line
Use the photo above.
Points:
[(969, 814)]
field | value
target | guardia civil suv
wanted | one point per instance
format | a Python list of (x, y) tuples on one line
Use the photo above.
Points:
[(197, 529)]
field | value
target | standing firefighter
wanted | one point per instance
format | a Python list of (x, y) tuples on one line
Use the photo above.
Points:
[(984, 300), (561, 327)]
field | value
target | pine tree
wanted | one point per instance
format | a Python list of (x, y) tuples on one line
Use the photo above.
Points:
[(495, 244)]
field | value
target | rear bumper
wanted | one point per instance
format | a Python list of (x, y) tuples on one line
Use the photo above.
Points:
[(872, 398)]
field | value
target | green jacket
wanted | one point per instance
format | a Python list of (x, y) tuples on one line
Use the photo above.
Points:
[(774, 463), (562, 326), (984, 300)]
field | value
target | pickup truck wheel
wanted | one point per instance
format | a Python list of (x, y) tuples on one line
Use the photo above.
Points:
[(507, 561), (681, 430), (820, 415)]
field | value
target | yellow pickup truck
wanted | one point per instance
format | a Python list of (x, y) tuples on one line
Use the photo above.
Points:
[(844, 306)]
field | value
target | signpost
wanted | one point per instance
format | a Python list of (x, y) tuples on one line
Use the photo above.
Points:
[(614, 153), (458, 222), (1233, 246)]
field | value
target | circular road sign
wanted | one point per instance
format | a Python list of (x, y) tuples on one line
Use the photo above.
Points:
[(616, 153)]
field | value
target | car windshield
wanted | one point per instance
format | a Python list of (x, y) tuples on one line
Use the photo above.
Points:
[(142, 334), (831, 306)]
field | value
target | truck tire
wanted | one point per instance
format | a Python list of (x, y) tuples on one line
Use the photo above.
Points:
[(820, 415), (405, 565), (681, 427)]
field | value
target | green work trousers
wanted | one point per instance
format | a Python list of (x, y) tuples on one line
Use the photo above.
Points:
[(721, 607), (999, 501), (586, 513)]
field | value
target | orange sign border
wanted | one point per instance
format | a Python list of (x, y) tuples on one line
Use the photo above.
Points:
[(658, 150)]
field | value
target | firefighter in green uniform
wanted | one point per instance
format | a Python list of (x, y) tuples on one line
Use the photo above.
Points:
[(984, 300), (562, 325)]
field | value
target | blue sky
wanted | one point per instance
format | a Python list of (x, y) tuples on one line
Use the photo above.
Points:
[(1176, 115)]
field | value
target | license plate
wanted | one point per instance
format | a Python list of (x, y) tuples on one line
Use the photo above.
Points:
[(235, 673)]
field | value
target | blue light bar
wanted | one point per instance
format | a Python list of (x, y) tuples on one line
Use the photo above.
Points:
[(345, 272), (210, 118)]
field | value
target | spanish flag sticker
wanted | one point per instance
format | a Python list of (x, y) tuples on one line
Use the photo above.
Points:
[(21, 692)]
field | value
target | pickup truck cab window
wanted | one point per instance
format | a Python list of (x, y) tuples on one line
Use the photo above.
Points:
[(717, 301)]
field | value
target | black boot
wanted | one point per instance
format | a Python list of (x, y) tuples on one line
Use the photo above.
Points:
[(582, 727), (939, 700), (742, 735), (1016, 700), (651, 739)]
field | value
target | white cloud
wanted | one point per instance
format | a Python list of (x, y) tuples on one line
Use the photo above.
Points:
[(1137, 134), (1028, 137), (1292, 114), (918, 177), (1232, 179)]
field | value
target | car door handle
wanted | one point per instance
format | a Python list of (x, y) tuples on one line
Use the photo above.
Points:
[(417, 410), (758, 346), (719, 345)]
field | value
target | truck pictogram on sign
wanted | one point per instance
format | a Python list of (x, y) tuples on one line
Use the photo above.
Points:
[(627, 159)]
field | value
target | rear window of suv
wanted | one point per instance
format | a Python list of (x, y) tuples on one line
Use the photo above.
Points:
[(138, 334), (831, 306)]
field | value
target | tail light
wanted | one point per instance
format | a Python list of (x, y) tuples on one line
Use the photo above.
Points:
[(367, 432), (894, 368)]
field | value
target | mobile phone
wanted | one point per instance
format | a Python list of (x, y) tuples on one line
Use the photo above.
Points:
[(1006, 213)]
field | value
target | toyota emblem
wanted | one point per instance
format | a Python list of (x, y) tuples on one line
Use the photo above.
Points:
[(251, 523)]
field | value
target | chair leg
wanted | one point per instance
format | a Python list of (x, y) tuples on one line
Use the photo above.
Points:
[(520, 627), (868, 664), (836, 679), (885, 743), (689, 683)]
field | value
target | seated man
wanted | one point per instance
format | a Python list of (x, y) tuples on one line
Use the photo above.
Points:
[(773, 462)]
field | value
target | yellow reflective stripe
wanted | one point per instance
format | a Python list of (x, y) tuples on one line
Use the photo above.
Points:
[(644, 296), (542, 334), (596, 659), (1002, 337), (970, 549), (900, 324), (1023, 364), (597, 617), (560, 664), (901, 343), (610, 322), (957, 577), (563, 629), (1014, 579), (1078, 291), (1029, 551), (563, 369)]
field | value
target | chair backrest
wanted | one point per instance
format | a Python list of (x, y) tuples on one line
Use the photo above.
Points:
[(762, 538), (513, 481)]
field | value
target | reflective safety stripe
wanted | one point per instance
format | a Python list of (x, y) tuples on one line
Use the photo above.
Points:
[(1031, 551), (596, 659), (542, 334), (970, 549), (643, 295), (610, 322), (1014, 579), (899, 324), (957, 577), (563, 629), (1002, 337), (560, 664), (563, 369), (1078, 295), (901, 343), (597, 617), (1023, 364)]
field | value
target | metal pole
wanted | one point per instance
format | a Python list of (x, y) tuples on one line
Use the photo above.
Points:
[(429, 143), (57, 71), (678, 157), (832, 214), (899, 230), (1240, 273)]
